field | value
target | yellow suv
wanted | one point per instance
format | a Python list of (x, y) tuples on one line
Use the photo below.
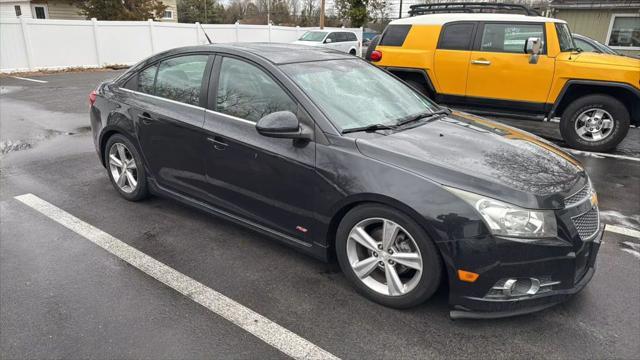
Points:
[(517, 65)]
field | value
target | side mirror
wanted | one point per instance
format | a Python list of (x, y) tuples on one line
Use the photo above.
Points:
[(533, 46), (328, 41), (282, 124)]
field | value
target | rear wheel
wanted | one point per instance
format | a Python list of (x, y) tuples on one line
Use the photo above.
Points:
[(125, 168), (595, 123), (387, 256), (420, 87), (352, 52)]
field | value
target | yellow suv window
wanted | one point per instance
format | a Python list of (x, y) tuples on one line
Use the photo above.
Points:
[(509, 38)]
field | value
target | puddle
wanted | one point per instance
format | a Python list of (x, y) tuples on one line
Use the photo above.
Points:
[(8, 146), (10, 89)]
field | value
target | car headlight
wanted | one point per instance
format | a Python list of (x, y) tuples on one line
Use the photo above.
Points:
[(510, 220)]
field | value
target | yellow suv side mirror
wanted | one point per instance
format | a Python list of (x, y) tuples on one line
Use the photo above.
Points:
[(533, 46)]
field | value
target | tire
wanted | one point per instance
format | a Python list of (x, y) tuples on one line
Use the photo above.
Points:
[(416, 287), (352, 52), (575, 119), (126, 187)]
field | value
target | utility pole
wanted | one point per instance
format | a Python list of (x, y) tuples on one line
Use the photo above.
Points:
[(400, 15), (205, 11), (321, 14), (268, 12)]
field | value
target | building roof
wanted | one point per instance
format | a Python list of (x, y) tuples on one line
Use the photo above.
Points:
[(439, 19), (595, 4)]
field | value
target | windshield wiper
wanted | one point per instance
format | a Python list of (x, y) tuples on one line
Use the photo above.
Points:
[(369, 128), (423, 115)]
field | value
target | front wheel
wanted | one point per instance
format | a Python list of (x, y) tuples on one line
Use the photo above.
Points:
[(595, 123), (387, 256), (125, 168)]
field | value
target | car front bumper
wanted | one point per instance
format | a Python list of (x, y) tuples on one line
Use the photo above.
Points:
[(571, 269)]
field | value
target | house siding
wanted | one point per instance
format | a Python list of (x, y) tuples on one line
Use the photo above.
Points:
[(7, 9), (593, 23), (62, 10), (172, 6)]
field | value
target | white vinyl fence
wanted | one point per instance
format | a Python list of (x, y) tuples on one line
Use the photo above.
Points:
[(33, 44)]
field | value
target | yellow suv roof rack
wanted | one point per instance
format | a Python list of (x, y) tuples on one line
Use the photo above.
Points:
[(470, 7)]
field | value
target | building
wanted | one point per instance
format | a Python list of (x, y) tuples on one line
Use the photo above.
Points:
[(615, 23), (62, 10)]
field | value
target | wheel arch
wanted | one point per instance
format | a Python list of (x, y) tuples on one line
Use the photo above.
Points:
[(417, 75), (353, 201), (575, 89), (108, 133)]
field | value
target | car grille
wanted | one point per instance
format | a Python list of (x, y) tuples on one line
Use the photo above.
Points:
[(587, 224), (579, 196)]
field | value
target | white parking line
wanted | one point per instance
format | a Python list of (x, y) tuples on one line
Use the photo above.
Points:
[(597, 154), (623, 231), (27, 79), (252, 322)]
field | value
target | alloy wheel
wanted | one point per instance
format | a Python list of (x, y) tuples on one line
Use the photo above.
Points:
[(384, 256), (594, 124), (123, 167)]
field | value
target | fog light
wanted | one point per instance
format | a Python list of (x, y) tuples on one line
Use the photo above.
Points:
[(519, 287)]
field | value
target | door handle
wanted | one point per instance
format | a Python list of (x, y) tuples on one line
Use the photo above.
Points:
[(146, 118), (481, 62), (218, 143)]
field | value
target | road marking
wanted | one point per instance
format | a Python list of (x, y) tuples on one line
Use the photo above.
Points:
[(596, 154), (27, 79), (250, 321), (623, 231)]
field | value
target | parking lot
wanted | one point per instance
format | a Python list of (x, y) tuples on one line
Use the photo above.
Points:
[(156, 291)]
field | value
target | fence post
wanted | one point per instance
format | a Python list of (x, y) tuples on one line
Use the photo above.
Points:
[(297, 32), (237, 31), (269, 32), (27, 41), (96, 40), (197, 33), (152, 36)]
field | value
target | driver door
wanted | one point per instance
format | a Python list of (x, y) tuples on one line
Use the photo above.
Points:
[(500, 74), (268, 181)]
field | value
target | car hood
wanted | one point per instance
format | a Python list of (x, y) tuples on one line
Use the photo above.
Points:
[(474, 154), (308, 43), (607, 59)]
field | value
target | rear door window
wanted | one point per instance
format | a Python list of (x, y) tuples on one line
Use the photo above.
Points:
[(456, 36), (509, 38), (395, 35), (180, 78), (333, 37)]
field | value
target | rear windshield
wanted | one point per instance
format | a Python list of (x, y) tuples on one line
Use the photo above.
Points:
[(394, 35)]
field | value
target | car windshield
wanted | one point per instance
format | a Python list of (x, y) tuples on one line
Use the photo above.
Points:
[(354, 94), (564, 37), (313, 36)]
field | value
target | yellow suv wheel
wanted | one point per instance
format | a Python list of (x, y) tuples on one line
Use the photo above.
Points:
[(595, 123)]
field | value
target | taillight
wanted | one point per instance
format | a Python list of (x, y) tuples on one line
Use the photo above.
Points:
[(92, 97), (376, 55)]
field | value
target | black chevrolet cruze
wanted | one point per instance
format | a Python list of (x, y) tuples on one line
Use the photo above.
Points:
[(341, 160)]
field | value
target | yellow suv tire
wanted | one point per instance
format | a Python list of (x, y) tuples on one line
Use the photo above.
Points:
[(595, 123)]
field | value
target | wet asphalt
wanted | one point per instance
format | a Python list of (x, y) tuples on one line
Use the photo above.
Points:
[(61, 296)]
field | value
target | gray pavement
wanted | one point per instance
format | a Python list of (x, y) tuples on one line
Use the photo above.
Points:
[(63, 297)]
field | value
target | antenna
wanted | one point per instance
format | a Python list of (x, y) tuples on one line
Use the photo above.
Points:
[(205, 34)]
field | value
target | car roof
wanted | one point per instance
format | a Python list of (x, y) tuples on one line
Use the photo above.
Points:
[(440, 19), (281, 53)]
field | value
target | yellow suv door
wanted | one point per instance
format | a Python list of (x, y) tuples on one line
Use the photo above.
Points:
[(499, 68), (452, 56)]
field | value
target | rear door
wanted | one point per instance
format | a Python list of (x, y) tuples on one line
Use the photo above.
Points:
[(451, 60), (268, 181), (500, 74), (168, 106)]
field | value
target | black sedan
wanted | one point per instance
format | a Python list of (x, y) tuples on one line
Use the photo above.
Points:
[(345, 162)]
